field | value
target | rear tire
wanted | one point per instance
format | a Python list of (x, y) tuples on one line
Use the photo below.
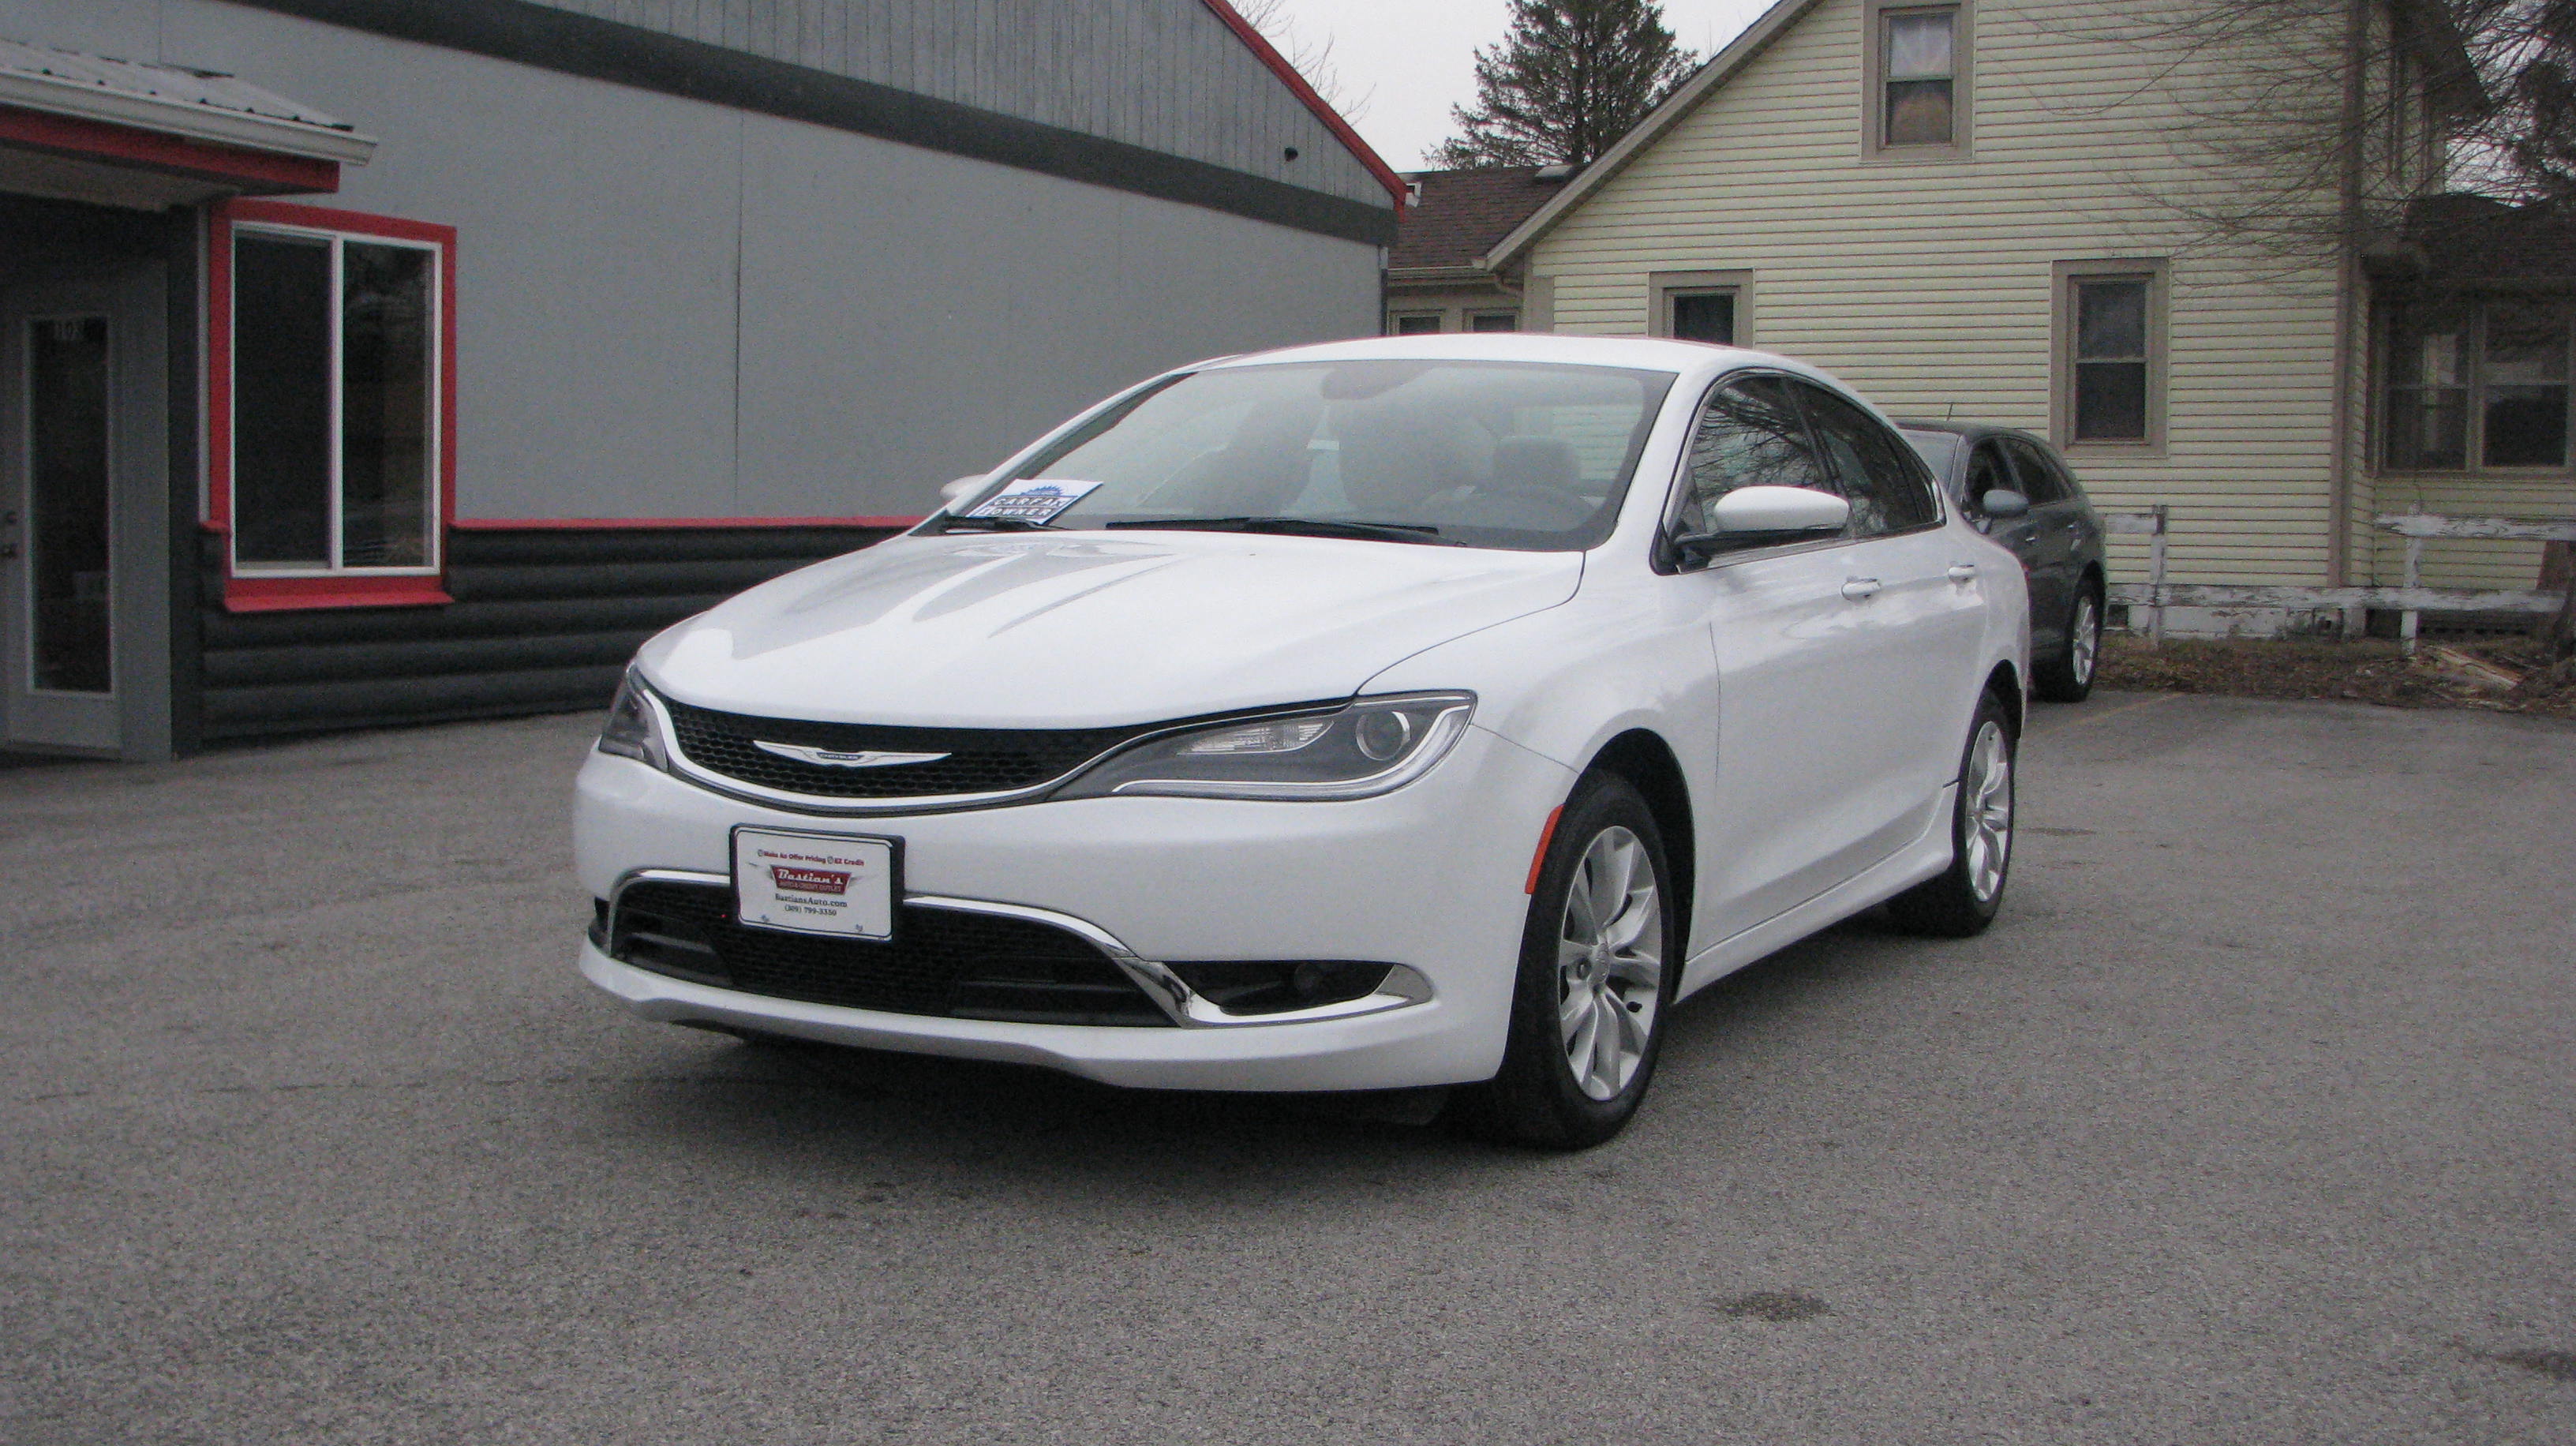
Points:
[(1964, 898), (2068, 677), (1600, 956)]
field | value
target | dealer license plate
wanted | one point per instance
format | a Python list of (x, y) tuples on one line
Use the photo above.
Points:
[(816, 883)]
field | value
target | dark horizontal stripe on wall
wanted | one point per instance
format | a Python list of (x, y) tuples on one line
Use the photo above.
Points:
[(544, 621), (583, 45)]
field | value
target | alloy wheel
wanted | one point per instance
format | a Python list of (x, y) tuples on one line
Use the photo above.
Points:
[(1609, 963), (2083, 649), (1989, 787)]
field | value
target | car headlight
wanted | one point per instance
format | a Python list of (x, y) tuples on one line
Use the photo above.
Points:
[(633, 730), (1365, 748)]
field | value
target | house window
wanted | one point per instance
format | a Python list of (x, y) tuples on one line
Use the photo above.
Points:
[(2110, 354), (332, 397), (1698, 305), (2482, 380), (1420, 323), (2111, 359), (1919, 53), (1494, 321), (1704, 316)]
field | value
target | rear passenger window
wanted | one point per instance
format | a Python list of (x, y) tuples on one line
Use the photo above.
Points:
[(1749, 435), (1889, 487)]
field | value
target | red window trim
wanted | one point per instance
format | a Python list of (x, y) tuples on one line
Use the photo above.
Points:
[(153, 150), (251, 592)]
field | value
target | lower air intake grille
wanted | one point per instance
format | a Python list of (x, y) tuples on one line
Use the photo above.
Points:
[(971, 760), (941, 961)]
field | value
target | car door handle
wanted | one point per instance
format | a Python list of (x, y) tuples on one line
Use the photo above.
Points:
[(1861, 589), (1963, 572)]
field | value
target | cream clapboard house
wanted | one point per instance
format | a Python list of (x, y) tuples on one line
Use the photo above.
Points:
[(1995, 210)]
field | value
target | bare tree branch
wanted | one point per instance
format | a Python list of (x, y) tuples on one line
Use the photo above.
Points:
[(1313, 61)]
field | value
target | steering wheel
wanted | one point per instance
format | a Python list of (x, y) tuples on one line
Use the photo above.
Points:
[(1575, 510)]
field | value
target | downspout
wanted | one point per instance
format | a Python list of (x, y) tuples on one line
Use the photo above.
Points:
[(2348, 280)]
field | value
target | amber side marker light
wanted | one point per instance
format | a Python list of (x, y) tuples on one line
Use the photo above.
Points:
[(1537, 860)]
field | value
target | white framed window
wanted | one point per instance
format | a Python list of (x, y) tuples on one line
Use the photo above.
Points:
[(330, 378)]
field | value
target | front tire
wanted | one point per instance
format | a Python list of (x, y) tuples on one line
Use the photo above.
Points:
[(1964, 898), (2068, 678), (1600, 956)]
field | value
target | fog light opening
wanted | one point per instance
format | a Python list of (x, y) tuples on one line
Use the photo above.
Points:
[(1279, 986)]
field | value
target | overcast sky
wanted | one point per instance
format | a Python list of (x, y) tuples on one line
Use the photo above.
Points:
[(1403, 63)]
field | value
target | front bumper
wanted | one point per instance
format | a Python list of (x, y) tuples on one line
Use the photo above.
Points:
[(1429, 877)]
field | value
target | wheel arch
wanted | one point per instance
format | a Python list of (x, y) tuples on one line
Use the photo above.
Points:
[(1646, 761), (2005, 682)]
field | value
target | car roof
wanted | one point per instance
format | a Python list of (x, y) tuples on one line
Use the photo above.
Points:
[(1973, 431), (1634, 352)]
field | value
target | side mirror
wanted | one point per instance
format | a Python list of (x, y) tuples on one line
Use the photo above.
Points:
[(1763, 516), (2004, 502), (961, 488)]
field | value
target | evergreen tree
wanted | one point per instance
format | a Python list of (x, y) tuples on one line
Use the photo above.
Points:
[(1569, 79)]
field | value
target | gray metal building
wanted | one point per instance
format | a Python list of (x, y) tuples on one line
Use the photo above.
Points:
[(369, 361)]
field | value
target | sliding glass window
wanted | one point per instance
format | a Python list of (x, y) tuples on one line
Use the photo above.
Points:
[(335, 393)]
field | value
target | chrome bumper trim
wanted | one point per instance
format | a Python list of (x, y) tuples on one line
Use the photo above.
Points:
[(1187, 1008)]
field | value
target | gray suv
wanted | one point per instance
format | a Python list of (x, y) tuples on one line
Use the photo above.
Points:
[(2017, 490)]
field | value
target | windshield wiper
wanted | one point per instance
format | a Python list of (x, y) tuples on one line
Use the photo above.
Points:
[(1300, 526), (996, 524)]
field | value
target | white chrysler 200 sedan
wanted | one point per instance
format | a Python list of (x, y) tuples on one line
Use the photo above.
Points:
[(1371, 715)]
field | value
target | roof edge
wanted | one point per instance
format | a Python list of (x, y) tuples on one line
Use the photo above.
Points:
[(56, 96), (1307, 95), (1754, 39)]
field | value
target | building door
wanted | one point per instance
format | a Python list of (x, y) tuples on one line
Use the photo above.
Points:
[(83, 522)]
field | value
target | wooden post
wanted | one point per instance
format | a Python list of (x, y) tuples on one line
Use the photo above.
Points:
[(2156, 580), (2560, 636), (2407, 620)]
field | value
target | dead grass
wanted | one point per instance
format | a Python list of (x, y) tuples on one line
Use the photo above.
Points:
[(2365, 670)]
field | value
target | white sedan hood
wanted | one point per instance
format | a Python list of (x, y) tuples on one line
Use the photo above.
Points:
[(980, 630)]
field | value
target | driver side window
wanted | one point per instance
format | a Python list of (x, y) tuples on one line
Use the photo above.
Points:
[(1749, 435)]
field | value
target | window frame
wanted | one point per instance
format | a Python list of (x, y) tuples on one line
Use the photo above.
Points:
[(1395, 321), (2156, 271), (268, 588), (1664, 287), (1874, 145), (2384, 328), (1511, 314)]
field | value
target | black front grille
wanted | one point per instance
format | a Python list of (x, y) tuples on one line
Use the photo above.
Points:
[(977, 760), (940, 962)]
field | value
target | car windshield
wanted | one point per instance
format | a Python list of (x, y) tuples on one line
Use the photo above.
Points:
[(1938, 448), (1524, 456)]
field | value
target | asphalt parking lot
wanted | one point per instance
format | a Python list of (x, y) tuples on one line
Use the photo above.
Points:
[(2251, 1121)]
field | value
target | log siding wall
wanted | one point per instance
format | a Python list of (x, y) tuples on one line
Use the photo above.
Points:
[(544, 622)]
